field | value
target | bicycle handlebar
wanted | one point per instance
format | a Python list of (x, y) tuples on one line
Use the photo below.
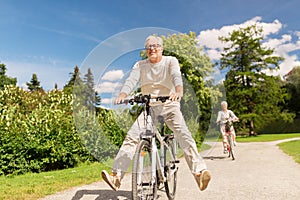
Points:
[(144, 99)]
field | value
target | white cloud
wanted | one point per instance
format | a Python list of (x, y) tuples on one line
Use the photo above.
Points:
[(283, 45), (285, 66), (113, 75), (107, 87), (275, 43), (271, 28), (209, 38), (107, 101), (214, 54)]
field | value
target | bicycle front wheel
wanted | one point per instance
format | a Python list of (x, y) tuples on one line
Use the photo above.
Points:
[(144, 181), (170, 169)]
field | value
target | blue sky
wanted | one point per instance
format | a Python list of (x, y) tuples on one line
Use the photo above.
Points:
[(51, 37)]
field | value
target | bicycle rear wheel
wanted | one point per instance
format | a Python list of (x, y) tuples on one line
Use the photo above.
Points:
[(170, 169), (230, 142), (144, 186)]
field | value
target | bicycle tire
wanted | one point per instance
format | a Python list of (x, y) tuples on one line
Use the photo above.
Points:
[(170, 170), (228, 146), (142, 185), (231, 152)]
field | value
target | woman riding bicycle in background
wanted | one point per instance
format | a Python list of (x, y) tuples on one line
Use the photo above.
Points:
[(226, 116)]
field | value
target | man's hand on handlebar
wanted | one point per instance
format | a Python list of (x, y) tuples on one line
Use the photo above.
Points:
[(175, 96)]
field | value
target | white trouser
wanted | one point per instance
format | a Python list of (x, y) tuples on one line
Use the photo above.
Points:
[(222, 129), (175, 121)]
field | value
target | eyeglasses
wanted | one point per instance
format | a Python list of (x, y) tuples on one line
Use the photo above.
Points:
[(153, 46)]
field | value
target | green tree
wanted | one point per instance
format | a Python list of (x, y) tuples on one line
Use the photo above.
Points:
[(252, 94), (34, 84), (75, 78), (4, 79), (293, 87), (92, 97), (90, 89)]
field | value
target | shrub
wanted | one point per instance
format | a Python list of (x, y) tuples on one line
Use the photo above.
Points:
[(37, 132)]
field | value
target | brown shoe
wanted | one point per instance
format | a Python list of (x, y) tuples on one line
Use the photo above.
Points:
[(203, 179), (112, 180)]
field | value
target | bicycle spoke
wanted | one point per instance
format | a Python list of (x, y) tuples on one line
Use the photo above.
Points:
[(143, 183)]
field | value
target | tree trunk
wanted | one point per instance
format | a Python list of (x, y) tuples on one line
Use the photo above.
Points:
[(251, 128)]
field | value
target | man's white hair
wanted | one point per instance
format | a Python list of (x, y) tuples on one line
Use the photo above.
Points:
[(153, 39)]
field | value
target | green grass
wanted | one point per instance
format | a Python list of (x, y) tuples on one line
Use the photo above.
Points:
[(267, 137), (291, 148), (36, 185)]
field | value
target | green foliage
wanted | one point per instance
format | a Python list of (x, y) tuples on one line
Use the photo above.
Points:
[(37, 132), (91, 97), (93, 136), (83, 90), (96, 127), (75, 78), (34, 84), (253, 95), (281, 126), (4, 79), (293, 88), (186, 46), (110, 125)]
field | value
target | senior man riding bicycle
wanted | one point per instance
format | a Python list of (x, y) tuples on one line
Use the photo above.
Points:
[(159, 76)]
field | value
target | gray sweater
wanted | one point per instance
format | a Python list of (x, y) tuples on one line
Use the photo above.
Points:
[(158, 79)]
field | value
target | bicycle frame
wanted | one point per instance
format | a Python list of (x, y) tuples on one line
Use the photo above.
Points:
[(160, 167), (229, 139), (152, 134), (229, 134)]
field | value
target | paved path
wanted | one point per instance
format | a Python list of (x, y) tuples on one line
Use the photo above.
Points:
[(261, 171)]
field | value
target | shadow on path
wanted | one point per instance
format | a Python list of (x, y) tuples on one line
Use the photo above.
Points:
[(214, 157), (103, 194), (106, 194)]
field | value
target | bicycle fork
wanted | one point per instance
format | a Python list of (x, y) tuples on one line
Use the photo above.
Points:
[(157, 163)]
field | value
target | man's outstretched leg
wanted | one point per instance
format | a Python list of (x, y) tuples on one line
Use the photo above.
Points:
[(203, 179)]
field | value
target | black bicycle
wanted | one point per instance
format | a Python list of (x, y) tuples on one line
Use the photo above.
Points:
[(154, 164)]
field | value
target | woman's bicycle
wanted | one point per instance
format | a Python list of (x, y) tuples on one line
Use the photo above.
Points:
[(154, 164), (229, 138)]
